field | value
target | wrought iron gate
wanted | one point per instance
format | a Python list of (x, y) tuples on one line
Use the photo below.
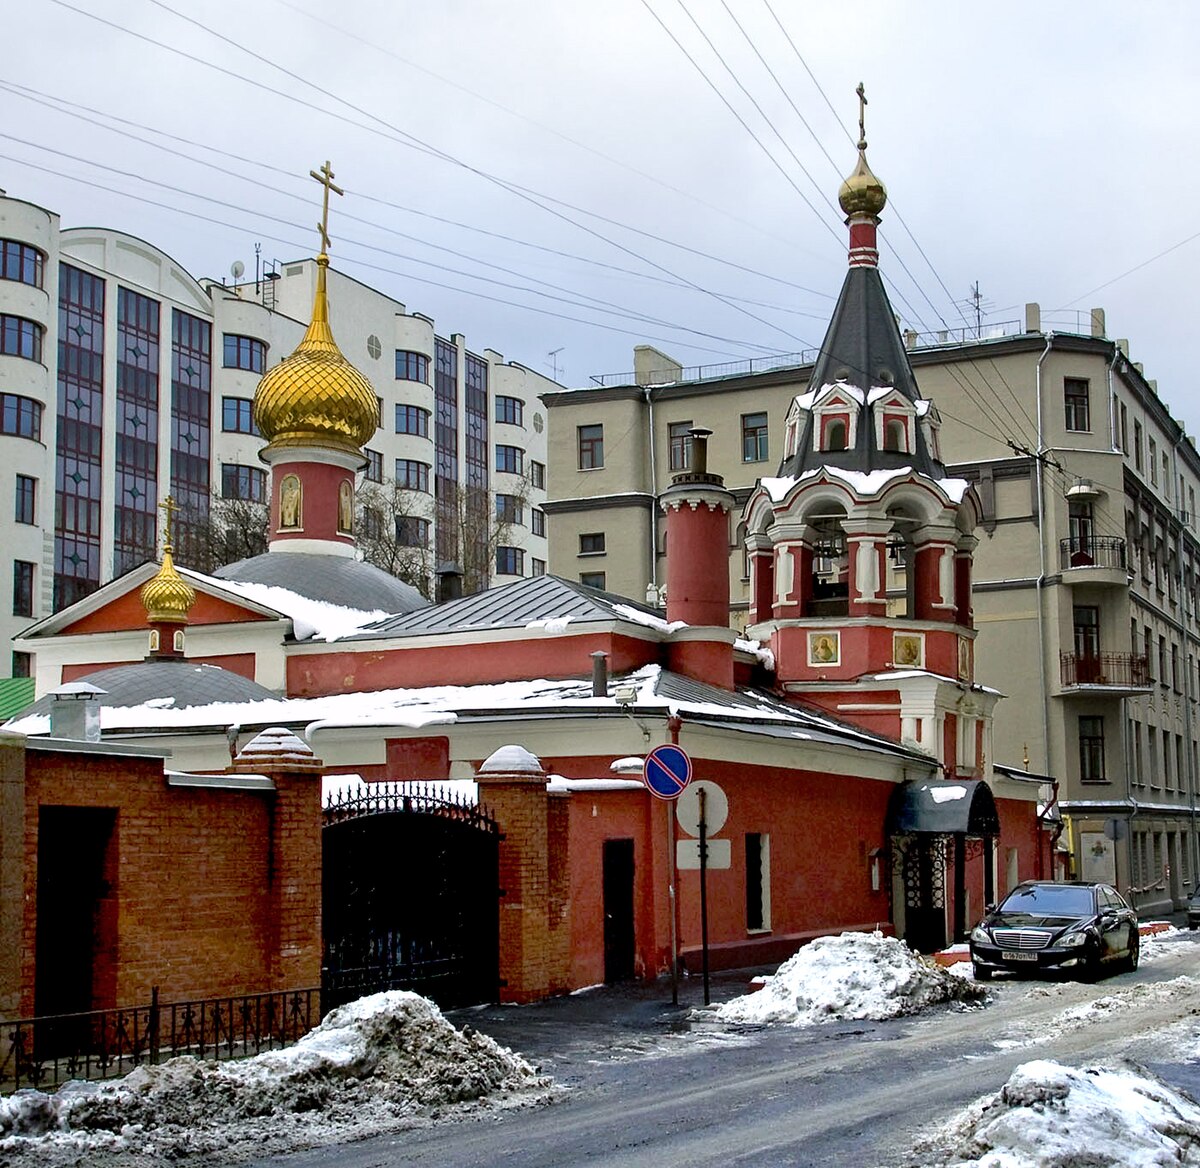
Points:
[(410, 881), (921, 860)]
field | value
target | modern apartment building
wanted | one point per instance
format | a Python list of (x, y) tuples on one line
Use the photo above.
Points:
[(123, 378), (1086, 572)]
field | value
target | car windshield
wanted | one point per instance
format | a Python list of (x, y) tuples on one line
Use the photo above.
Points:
[(1050, 899)]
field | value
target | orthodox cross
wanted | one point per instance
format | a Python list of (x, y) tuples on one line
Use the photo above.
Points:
[(168, 507), (862, 117), (325, 177)]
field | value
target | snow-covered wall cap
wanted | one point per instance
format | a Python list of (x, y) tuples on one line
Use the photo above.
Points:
[(630, 765), (511, 760), (78, 689), (276, 748)]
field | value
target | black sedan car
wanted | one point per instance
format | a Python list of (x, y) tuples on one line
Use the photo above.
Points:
[(1082, 928), (1193, 910)]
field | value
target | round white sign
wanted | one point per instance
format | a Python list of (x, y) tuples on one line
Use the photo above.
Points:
[(716, 808)]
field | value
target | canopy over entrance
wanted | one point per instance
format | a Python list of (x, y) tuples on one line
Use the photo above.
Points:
[(942, 807)]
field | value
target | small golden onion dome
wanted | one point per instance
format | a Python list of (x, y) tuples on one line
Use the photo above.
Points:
[(862, 193), (168, 597), (316, 397)]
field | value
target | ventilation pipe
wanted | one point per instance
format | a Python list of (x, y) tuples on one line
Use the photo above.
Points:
[(75, 712), (599, 674)]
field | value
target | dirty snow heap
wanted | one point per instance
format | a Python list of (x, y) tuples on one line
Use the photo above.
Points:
[(856, 975)]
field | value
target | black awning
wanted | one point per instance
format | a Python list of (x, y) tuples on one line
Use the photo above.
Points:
[(943, 807)]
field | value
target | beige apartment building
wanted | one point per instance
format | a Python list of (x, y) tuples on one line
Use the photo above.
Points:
[(1085, 574)]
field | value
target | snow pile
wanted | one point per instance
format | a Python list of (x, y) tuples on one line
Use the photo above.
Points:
[(382, 1061), (856, 975), (1047, 1114)]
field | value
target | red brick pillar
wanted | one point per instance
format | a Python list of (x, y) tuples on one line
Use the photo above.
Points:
[(512, 785), (867, 539), (293, 945), (964, 554), (16, 957), (761, 553)]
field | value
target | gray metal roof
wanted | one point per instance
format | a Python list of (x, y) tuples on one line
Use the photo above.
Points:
[(335, 579), (190, 683), (943, 807), (863, 347), (510, 606)]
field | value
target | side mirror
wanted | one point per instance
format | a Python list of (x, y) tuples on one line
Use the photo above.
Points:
[(987, 908)]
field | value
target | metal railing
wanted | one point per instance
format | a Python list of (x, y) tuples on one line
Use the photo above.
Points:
[(1120, 670), (1093, 551), (710, 372), (47, 1051)]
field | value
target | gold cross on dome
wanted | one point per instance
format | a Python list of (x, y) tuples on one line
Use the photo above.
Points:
[(325, 177), (862, 116), (168, 507)]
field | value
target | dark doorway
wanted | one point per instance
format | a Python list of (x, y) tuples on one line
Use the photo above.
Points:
[(618, 909), (74, 956)]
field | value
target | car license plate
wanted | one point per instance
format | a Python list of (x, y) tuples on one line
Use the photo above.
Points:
[(1018, 956)]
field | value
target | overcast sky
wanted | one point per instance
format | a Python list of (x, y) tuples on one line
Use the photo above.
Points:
[(1043, 150)]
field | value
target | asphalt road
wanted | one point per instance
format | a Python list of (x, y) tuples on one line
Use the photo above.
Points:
[(645, 1086)]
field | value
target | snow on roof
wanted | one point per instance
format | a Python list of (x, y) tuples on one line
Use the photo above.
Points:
[(805, 401), (277, 740), (631, 764), (559, 784), (862, 482), (553, 625), (940, 794), (638, 616), (311, 619), (510, 760)]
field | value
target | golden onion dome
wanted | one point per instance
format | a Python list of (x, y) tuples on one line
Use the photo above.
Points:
[(316, 397), (168, 597), (862, 193)]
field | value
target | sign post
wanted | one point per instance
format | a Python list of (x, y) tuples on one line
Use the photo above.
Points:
[(667, 772), (704, 891)]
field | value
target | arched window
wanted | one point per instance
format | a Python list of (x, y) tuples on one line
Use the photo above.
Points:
[(894, 436), (835, 434)]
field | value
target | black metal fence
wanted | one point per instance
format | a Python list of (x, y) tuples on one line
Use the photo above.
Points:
[(105, 1044), (1120, 670)]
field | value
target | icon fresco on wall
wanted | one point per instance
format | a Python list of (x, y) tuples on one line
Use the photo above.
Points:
[(289, 501), (824, 648), (908, 651), (964, 658)]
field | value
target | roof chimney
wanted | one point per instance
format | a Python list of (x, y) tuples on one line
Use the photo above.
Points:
[(1033, 318), (599, 674), (449, 582), (75, 712)]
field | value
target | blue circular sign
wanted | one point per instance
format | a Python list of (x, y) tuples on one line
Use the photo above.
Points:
[(667, 771)]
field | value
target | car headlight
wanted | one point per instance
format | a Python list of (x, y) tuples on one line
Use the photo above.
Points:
[(980, 935), (1073, 940)]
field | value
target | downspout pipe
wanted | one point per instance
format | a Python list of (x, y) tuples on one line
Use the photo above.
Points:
[(647, 391), (1041, 580)]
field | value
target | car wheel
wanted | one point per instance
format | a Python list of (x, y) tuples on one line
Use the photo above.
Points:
[(982, 973), (1091, 970)]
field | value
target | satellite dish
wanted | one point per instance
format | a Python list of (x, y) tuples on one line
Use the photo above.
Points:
[(237, 269)]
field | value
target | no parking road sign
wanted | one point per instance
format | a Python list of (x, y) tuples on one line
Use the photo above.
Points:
[(667, 771)]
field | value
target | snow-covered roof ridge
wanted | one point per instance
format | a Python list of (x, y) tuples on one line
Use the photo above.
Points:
[(311, 619)]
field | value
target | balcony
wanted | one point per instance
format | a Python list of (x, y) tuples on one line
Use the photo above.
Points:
[(1112, 674), (1093, 559)]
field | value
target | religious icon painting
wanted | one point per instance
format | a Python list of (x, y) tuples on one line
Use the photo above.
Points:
[(825, 648), (964, 658), (908, 651)]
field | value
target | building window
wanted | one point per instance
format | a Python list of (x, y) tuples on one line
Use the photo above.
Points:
[(591, 447), (20, 416), (591, 543), (237, 416), (445, 449), (835, 434), (1091, 749), (510, 459), (378, 412), (412, 531), (592, 579), (243, 482), (1137, 444), (412, 475), (758, 882), (1075, 397), (510, 561), (1153, 460), (374, 471), (1163, 677), (510, 410), (895, 435), (1087, 639), (22, 588), (754, 437), (537, 567), (1124, 429), (537, 522), (19, 261), (20, 338), (412, 420), (680, 445), (247, 353), (22, 664), (510, 509), (537, 475), (26, 509), (412, 366)]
